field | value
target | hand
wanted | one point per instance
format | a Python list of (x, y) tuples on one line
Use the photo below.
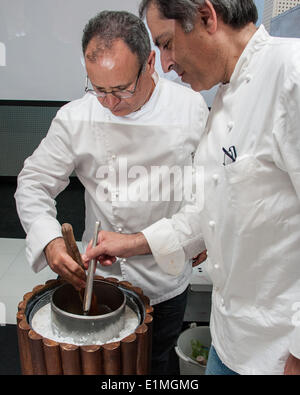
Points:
[(61, 263), (200, 258), (292, 366), (111, 245)]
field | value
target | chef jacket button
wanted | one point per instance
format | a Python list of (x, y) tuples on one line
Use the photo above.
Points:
[(248, 78), (230, 126), (119, 229), (113, 157), (123, 260), (215, 177), (212, 224), (216, 266)]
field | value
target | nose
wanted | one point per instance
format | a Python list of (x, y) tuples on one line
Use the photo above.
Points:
[(167, 61), (110, 101)]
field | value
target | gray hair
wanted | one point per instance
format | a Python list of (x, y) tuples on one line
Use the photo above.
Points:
[(109, 26), (236, 13)]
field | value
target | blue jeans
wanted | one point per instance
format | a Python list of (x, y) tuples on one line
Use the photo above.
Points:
[(167, 324), (215, 366)]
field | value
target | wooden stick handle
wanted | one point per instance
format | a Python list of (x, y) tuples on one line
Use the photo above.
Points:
[(68, 235)]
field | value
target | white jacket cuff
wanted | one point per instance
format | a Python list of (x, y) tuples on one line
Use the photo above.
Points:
[(40, 234), (295, 342), (165, 247)]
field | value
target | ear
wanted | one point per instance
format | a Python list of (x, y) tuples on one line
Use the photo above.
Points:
[(208, 16), (151, 62)]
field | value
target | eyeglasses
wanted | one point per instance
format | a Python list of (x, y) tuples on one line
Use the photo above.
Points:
[(122, 94)]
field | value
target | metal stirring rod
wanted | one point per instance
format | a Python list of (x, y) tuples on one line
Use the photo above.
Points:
[(90, 277)]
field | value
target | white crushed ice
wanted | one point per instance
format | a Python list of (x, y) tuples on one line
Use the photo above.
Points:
[(41, 323)]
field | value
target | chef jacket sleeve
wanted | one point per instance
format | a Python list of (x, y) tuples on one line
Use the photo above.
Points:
[(176, 240), (44, 175), (286, 143)]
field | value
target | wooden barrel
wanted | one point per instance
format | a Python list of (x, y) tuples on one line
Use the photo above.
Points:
[(39, 355)]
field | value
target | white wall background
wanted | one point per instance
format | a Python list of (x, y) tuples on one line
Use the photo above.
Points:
[(40, 46)]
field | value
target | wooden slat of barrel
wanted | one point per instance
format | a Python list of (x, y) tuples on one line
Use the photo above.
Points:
[(138, 291), (21, 306), (142, 350), (53, 282), (128, 354), (27, 296), (126, 284), (20, 316), (37, 353), (91, 359), (112, 280), (99, 278), (70, 357), (149, 309), (52, 357), (38, 288), (149, 322), (25, 356), (112, 358)]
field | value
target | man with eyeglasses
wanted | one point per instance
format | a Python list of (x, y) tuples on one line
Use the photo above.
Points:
[(128, 122)]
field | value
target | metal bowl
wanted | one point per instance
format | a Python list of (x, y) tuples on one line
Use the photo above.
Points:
[(68, 319)]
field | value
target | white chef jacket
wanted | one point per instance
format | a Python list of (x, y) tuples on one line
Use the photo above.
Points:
[(86, 138), (251, 213)]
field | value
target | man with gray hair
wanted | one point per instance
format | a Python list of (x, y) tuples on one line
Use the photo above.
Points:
[(129, 122), (250, 152)]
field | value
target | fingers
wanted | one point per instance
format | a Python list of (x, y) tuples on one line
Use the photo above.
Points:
[(104, 260), (69, 270), (200, 258), (61, 263), (89, 246), (94, 252), (85, 261), (99, 252), (89, 255)]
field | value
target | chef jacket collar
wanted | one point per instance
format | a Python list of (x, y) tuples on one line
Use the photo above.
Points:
[(255, 44)]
